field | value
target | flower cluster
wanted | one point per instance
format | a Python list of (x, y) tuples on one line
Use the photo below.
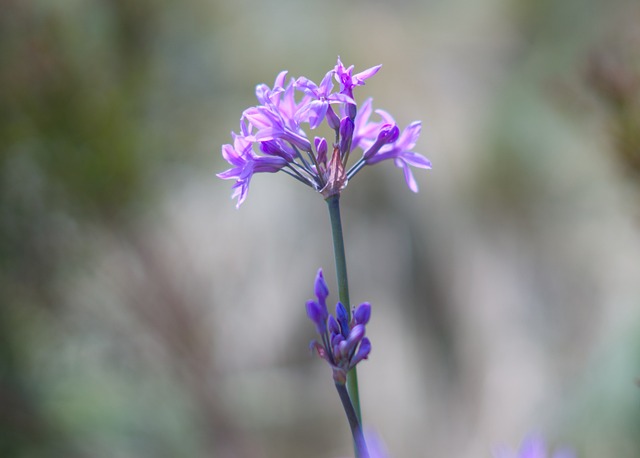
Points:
[(533, 447), (272, 139), (343, 341)]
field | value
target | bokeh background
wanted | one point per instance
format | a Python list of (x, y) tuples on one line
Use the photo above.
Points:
[(142, 315)]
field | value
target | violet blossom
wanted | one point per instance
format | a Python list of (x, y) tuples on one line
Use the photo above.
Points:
[(342, 341), (272, 137), (533, 447)]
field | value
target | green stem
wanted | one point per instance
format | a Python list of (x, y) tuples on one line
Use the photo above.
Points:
[(333, 203)]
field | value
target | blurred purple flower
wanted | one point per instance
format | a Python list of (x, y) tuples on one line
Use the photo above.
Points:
[(533, 447), (343, 342), (375, 445), (272, 139)]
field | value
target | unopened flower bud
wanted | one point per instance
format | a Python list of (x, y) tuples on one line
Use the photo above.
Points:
[(362, 353), (332, 119), (321, 288), (318, 314), (388, 134), (346, 135), (362, 313), (343, 319), (334, 327)]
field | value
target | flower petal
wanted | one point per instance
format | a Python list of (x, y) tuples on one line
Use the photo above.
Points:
[(366, 74)]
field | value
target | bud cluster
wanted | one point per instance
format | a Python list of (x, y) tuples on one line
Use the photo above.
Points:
[(343, 343)]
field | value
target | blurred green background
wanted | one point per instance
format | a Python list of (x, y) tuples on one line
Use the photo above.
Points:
[(142, 315)]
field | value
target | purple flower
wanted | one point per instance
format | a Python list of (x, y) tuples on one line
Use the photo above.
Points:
[(348, 81), (388, 133), (266, 95), (272, 139), (375, 445), (245, 163), (342, 340), (533, 447), (315, 111), (271, 125), (401, 152)]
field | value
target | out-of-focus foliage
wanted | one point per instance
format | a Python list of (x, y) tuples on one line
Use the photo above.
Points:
[(141, 315)]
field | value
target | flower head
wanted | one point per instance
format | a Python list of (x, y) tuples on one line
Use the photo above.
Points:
[(272, 137), (342, 340)]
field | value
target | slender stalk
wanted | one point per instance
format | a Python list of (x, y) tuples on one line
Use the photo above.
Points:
[(359, 443), (292, 172), (306, 165), (355, 168), (333, 203)]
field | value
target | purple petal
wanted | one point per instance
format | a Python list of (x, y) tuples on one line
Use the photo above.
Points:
[(240, 190), (277, 148), (261, 117), (321, 149), (355, 335), (339, 68), (280, 79), (408, 176), (386, 117), (318, 315), (262, 93), (533, 447), (268, 164), (313, 112), (343, 319), (362, 353), (346, 135), (362, 129), (388, 134), (416, 160), (332, 118), (366, 74), (410, 135), (229, 174), (314, 311), (336, 339), (342, 350), (334, 327), (375, 445), (326, 84), (340, 98), (268, 133), (306, 85), (231, 155)]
